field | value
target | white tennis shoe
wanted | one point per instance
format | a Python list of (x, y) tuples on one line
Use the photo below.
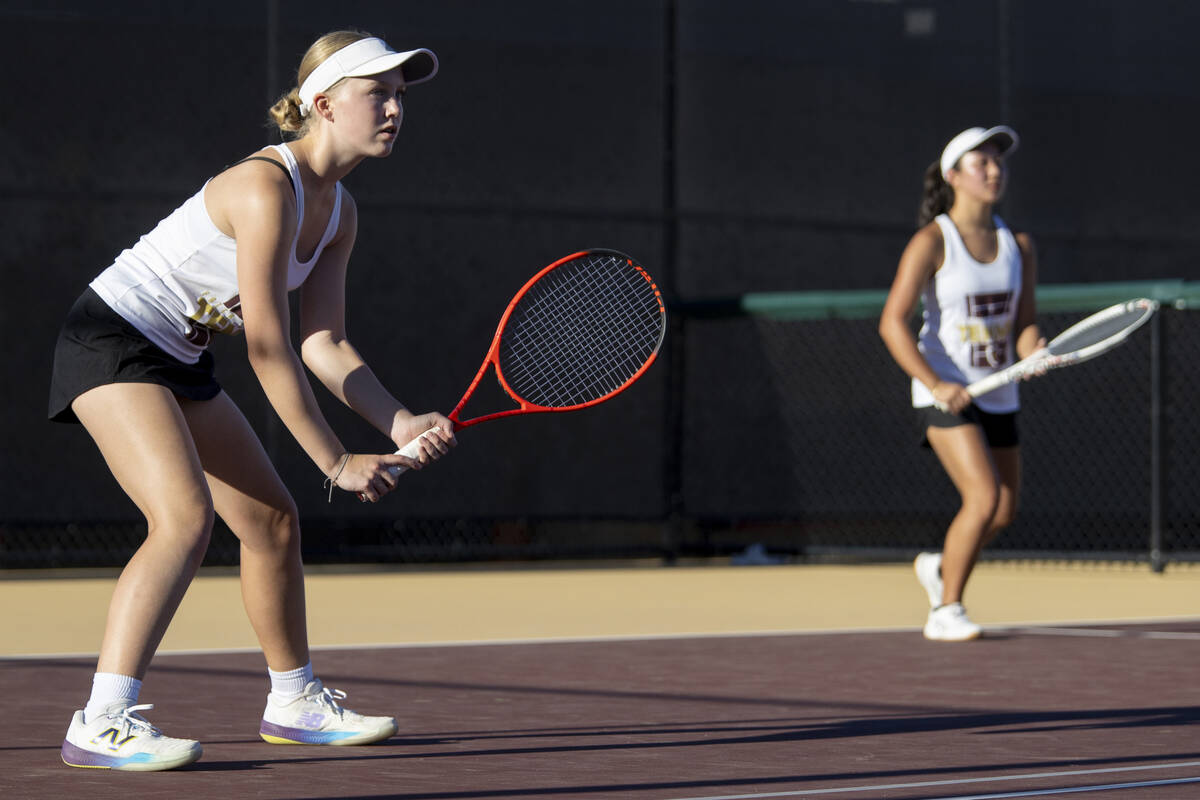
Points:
[(928, 567), (121, 738), (949, 623), (317, 717)]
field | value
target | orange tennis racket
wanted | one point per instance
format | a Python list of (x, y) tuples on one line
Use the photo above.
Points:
[(580, 332)]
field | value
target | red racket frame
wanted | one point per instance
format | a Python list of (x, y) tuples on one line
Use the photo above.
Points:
[(492, 359)]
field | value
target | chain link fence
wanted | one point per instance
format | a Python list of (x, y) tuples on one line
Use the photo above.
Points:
[(797, 438), (775, 420), (1108, 447)]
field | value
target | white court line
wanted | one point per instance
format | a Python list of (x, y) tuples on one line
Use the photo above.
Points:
[(1089, 632), (963, 781), (1075, 789), (616, 637), (1169, 635), (1043, 629), (1107, 633)]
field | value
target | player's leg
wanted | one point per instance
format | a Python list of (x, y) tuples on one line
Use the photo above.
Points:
[(1008, 467), (963, 452), (144, 440), (965, 456), (253, 501), (146, 444)]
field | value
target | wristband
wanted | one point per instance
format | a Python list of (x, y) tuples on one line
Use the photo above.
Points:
[(331, 482)]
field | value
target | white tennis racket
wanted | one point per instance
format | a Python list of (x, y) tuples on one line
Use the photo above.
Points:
[(1084, 340)]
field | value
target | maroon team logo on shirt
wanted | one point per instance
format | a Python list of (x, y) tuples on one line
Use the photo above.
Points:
[(995, 304), (988, 340)]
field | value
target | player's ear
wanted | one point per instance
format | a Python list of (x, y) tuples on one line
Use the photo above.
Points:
[(323, 106)]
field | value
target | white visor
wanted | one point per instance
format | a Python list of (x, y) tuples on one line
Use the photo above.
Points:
[(366, 57), (1005, 138)]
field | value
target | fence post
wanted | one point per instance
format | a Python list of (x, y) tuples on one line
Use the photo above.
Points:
[(1157, 559), (676, 349)]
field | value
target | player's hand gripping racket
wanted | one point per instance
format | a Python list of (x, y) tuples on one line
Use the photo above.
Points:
[(579, 332), (1084, 340)]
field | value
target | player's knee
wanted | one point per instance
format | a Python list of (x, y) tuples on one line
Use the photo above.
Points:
[(982, 502), (283, 527), (185, 524), (271, 529), (1006, 514)]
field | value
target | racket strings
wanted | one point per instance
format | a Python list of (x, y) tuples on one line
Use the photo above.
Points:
[(601, 331), (1116, 325), (590, 360), (581, 332)]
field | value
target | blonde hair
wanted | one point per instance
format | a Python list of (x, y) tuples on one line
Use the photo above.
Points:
[(286, 111)]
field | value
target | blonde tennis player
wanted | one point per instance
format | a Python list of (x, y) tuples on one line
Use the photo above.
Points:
[(975, 279), (131, 365)]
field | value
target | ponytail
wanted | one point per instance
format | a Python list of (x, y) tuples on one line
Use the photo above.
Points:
[(286, 114), (937, 197), (286, 111)]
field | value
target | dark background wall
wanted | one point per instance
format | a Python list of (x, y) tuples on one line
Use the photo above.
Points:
[(759, 145)]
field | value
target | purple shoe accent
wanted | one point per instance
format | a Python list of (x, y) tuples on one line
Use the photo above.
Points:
[(78, 757), (301, 736)]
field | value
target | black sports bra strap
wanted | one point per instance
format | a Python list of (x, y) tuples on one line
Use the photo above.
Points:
[(269, 161)]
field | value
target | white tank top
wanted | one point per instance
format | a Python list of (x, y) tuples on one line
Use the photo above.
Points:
[(178, 284), (969, 319)]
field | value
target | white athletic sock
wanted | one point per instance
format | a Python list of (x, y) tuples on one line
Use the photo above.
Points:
[(108, 688), (290, 685)]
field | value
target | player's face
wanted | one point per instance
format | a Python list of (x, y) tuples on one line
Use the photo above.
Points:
[(981, 173), (370, 110)]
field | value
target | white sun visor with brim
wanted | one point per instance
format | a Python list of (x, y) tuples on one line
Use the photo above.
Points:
[(366, 57), (1005, 138)]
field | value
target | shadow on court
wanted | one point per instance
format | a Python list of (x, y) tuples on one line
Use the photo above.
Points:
[(855, 715)]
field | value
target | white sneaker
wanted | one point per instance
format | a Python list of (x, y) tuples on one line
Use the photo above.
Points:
[(120, 738), (316, 717), (928, 567), (949, 623)]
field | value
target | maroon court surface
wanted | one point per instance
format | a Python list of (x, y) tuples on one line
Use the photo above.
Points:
[(1026, 712)]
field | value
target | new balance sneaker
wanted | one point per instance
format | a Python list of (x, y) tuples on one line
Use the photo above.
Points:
[(121, 738), (928, 567), (949, 623), (317, 717)]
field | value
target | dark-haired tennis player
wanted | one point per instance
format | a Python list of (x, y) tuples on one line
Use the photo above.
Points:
[(975, 279), (131, 365)]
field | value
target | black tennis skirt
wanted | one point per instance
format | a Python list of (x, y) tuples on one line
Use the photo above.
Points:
[(999, 430), (97, 346)]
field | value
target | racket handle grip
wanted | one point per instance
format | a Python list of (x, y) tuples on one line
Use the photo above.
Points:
[(1030, 364), (981, 386), (412, 450), (990, 383)]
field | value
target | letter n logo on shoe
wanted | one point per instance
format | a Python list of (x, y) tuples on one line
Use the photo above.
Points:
[(311, 720), (110, 736)]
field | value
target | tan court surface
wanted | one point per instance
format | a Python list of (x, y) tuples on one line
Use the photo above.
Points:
[(58, 614)]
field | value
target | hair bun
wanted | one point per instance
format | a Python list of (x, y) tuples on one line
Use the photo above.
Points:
[(286, 112)]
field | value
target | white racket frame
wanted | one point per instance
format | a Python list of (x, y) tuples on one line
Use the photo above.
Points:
[(1048, 359)]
